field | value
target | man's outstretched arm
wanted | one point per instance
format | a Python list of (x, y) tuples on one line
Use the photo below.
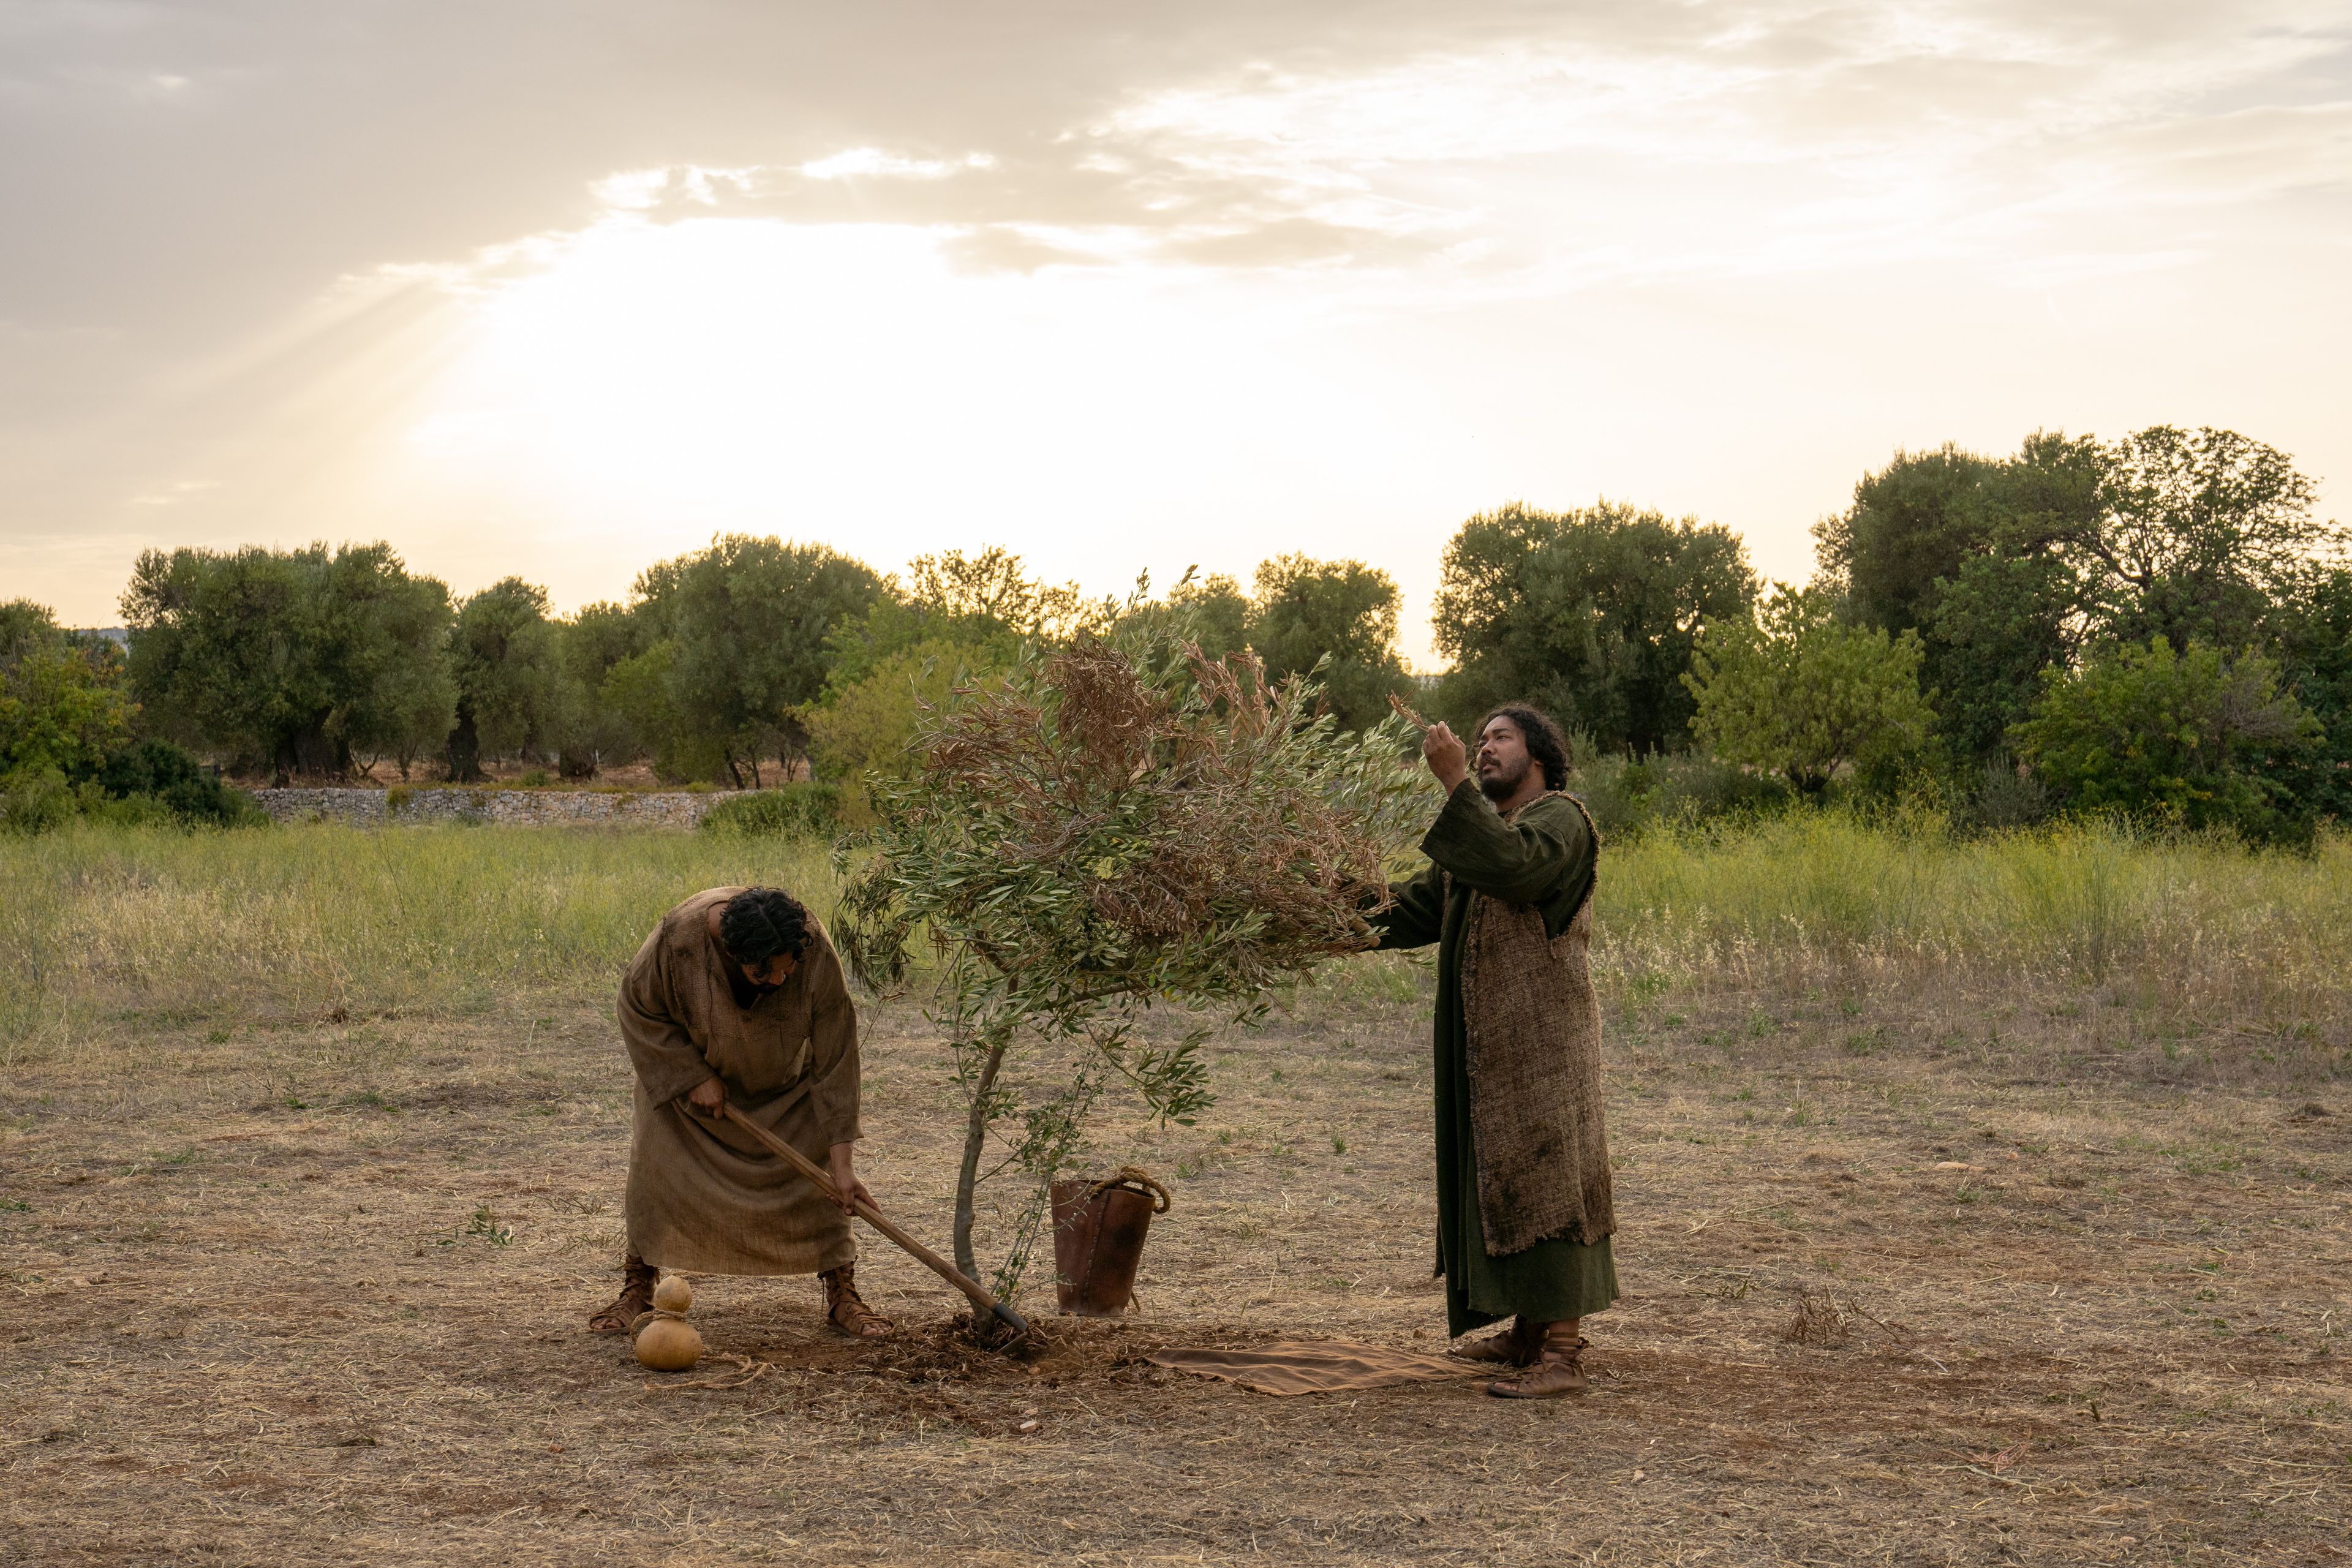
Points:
[(1518, 862), (1417, 916)]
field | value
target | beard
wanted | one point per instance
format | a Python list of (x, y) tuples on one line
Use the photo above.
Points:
[(1503, 785)]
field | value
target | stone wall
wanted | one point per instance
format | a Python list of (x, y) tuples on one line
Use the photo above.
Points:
[(504, 807)]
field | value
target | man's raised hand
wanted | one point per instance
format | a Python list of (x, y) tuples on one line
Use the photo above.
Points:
[(1445, 754)]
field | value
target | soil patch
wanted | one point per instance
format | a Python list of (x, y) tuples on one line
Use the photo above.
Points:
[(1946, 1279)]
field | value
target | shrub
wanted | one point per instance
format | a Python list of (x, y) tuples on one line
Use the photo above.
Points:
[(36, 800), (796, 811), (2000, 796), (1630, 795), (1801, 693), (2192, 737), (159, 772), (151, 783)]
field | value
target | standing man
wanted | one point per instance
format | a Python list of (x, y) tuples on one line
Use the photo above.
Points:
[(1523, 1192), (737, 999)]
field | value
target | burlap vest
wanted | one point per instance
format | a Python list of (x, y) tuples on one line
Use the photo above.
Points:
[(1532, 1023)]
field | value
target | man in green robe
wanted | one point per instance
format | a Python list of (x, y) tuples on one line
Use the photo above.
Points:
[(1524, 1211)]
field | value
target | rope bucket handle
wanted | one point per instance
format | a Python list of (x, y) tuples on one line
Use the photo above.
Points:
[(1134, 1178)]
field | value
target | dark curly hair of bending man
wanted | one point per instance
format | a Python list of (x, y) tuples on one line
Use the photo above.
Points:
[(759, 922), (1545, 743)]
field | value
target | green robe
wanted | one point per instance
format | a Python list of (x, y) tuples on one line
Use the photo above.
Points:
[(1544, 858)]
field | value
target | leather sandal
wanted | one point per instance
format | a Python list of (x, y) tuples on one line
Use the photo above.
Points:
[(1511, 1347), (845, 1309), (1557, 1372), (636, 1299)]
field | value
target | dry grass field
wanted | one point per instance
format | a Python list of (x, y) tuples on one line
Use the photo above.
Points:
[(1934, 1251)]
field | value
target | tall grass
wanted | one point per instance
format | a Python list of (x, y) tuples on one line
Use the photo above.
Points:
[(298, 921), (1810, 897), (302, 920)]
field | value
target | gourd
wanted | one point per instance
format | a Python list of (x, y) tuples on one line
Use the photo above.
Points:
[(667, 1344)]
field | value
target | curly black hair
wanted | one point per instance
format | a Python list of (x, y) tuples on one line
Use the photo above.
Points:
[(759, 922), (1545, 743)]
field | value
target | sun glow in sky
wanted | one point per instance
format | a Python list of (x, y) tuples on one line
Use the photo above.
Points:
[(1126, 303)]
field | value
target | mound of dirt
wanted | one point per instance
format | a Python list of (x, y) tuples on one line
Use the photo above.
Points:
[(1057, 1349)]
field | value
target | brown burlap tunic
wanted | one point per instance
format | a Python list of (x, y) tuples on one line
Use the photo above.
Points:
[(703, 1197)]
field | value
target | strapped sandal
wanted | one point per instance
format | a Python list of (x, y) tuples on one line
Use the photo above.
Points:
[(1510, 1348), (845, 1309), (1558, 1373), (636, 1299)]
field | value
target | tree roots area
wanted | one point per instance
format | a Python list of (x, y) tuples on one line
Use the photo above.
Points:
[(1923, 1278)]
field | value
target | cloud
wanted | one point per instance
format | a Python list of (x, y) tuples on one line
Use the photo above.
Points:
[(173, 494), (872, 163), (221, 213)]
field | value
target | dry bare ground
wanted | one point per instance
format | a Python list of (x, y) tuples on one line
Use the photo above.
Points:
[(1936, 1278)]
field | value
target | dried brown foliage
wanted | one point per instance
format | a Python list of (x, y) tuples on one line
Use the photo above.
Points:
[(1122, 822)]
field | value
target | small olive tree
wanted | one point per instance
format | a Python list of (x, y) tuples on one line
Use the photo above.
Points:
[(1113, 825)]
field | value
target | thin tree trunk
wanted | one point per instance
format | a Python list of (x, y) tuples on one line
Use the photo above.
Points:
[(464, 754), (975, 1138)]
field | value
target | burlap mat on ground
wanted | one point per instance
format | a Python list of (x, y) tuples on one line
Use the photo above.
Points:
[(1319, 1367)]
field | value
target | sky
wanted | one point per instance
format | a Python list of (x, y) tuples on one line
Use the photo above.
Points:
[(560, 289)]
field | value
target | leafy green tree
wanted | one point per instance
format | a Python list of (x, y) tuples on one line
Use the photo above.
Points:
[(590, 729), (2317, 650), (867, 737), (746, 622), (2202, 534), (503, 655), (1304, 612), (2193, 738), (641, 689), (985, 603), (290, 661), (62, 704), (1213, 612), (1592, 615), (1990, 632), (1803, 693), (2007, 567), (2017, 604), (1911, 526), (993, 586)]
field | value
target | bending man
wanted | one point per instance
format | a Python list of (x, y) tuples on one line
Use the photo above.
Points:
[(1523, 1195), (737, 999)]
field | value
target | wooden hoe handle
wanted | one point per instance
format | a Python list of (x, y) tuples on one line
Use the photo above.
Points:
[(815, 1172)]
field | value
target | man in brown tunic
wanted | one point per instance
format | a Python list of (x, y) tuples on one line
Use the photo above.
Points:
[(737, 1000)]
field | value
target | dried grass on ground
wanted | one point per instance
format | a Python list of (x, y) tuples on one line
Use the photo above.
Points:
[(1932, 1255)]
